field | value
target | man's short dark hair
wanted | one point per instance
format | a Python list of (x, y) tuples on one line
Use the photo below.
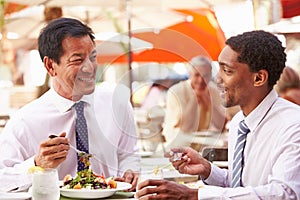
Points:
[(260, 50), (51, 37)]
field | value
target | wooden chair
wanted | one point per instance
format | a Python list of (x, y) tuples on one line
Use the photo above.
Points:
[(214, 154), (21, 95)]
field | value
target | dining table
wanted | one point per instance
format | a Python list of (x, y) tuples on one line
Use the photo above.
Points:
[(149, 163)]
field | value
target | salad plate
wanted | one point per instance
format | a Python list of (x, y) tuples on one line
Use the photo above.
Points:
[(95, 193)]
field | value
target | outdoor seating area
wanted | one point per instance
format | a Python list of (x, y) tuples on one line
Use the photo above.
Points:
[(134, 99)]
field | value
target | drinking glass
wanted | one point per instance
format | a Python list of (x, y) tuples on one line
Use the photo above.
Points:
[(45, 185), (156, 173)]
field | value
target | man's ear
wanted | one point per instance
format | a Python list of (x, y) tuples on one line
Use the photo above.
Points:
[(261, 77), (50, 66)]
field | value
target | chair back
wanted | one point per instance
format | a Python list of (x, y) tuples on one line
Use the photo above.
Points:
[(215, 153)]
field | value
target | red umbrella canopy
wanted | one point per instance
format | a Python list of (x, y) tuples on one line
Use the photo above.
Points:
[(199, 34), (208, 32), (168, 46), (172, 44), (13, 7), (290, 8)]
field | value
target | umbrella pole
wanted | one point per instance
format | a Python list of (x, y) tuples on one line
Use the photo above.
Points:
[(129, 53)]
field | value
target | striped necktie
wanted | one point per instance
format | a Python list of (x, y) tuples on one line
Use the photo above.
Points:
[(238, 159), (81, 132)]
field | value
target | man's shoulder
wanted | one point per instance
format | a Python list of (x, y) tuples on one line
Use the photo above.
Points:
[(39, 105), (181, 85), (287, 108)]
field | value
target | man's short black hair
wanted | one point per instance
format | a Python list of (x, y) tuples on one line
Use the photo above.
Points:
[(260, 50), (51, 37)]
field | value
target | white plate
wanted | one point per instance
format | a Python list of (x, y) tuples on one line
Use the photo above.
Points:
[(15, 196), (93, 194), (144, 153)]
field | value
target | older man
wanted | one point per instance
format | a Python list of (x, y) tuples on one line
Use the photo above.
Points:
[(97, 120), (193, 105)]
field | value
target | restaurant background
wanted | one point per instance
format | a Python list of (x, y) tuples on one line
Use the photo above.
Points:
[(163, 36), (148, 59)]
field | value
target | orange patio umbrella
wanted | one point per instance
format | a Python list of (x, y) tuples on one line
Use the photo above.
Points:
[(199, 34), (13, 7)]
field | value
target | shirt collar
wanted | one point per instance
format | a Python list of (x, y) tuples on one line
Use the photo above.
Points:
[(63, 104), (259, 113)]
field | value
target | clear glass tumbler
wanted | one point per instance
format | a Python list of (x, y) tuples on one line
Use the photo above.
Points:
[(45, 185), (156, 173)]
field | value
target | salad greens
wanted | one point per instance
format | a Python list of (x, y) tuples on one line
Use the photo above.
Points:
[(89, 180)]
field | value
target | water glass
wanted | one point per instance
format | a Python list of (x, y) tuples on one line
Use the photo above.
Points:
[(151, 174), (45, 185)]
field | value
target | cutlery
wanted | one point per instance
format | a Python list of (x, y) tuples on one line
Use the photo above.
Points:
[(158, 168), (79, 152), (177, 156)]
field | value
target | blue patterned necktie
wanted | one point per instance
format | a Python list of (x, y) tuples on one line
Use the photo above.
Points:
[(238, 159), (81, 132)]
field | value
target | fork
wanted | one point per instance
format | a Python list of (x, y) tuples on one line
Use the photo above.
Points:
[(157, 168), (79, 152)]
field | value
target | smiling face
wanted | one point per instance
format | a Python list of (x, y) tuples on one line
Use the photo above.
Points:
[(75, 75), (234, 80), (200, 76)]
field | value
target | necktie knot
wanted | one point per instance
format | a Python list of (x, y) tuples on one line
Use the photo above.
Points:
[(79, 107), (243, 128)]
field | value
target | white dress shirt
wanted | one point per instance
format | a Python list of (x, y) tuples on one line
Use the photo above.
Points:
[(271, 155), (111, 129)]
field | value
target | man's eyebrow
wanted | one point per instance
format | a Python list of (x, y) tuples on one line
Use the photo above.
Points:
[(76, 54), (222, 63)]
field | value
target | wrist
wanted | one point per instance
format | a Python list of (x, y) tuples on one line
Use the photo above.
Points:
[(193, 194), (206, 171), (202, 179)]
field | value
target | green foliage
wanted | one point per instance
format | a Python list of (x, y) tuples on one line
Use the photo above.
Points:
[(2, 14)]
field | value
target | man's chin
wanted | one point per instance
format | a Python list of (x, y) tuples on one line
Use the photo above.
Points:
[(84, 91), (227, 104), (88, 91)]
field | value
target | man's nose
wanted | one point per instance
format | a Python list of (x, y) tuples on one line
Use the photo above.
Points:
[(201, 79), (88, 66), (218, 78)]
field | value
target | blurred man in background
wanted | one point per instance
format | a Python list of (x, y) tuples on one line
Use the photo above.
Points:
[(193, 105)]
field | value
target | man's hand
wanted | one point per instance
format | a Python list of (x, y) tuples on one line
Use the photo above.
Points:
[(52, 152), (164, 189), (129, 177), (190, 163)]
